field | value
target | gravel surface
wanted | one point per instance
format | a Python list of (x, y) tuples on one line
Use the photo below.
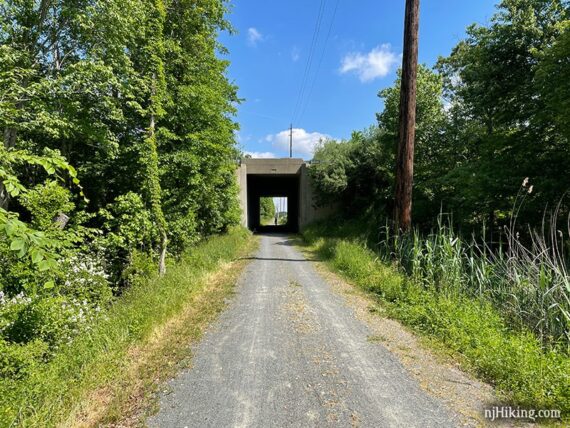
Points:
[(289, 352)]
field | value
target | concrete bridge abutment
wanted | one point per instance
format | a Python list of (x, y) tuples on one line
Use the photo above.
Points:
[(285, 177)]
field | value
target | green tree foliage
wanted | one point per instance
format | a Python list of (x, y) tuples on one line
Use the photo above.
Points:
[(490, 115), (196, 136), (134, 95), (498, 112), (355, 173), (267, 209), (152, 65), (361, 170), (117, 138), (554, 61), (432, 151)]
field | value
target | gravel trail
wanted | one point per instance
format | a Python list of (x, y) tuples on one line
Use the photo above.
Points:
[(288, 352)]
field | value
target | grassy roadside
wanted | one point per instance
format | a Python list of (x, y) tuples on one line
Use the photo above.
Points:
[(107, 374), (513, 361)]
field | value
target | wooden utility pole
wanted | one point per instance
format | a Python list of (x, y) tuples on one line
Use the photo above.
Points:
[(407, 132), (291, 141)]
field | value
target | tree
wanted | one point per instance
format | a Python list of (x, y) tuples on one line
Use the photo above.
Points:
[(156, 81), (134, 94), (499, 112), (131, 99), (357, 174), (490, 115), (266, 209), (555, 92), (197, 135)]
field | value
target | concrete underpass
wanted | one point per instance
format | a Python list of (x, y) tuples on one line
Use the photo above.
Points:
[(286, 177)]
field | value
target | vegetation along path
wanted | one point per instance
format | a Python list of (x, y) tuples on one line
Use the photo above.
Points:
[(290, 352)]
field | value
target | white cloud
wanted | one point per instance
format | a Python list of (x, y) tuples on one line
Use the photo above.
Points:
[(372, 65), (304, 142), (261, 155), (254, 36), (295, 54), (241, 138)]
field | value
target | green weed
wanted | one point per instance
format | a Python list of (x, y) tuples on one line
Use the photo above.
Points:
[(99, 356)]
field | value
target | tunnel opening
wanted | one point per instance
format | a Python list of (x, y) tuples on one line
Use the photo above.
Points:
[(283, 188), (273, 210)]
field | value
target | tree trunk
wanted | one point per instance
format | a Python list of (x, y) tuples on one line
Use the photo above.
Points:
[(9, 142), (407, 131), (155, 197), (61, 220), (162, 259), (157, 90)]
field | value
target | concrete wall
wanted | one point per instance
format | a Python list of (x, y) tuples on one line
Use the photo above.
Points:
[(241, 176), (308, 210), (273, 166)]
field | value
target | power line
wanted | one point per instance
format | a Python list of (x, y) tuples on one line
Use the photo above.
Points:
[(291, 141), (312, 87), (308, 65), (265, 116)]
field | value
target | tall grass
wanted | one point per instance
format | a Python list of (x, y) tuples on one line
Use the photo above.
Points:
[(527, 280)]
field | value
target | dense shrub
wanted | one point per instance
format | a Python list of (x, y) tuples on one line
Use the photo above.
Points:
[(45, 202), (127, 227), (140, 269), (18, 274), (40, 311), (82, 277), (183, 232), (19, 360), (53, 320)]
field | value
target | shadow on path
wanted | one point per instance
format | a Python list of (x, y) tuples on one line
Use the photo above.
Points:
[(278, 259)]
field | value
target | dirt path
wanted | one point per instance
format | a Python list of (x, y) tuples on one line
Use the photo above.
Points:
[(290, 352)]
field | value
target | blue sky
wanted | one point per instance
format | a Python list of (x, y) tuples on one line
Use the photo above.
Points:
[(269, 57)]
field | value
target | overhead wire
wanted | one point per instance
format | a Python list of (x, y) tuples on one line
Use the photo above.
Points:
[(265, 116), (308, 65), (319, 64)]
